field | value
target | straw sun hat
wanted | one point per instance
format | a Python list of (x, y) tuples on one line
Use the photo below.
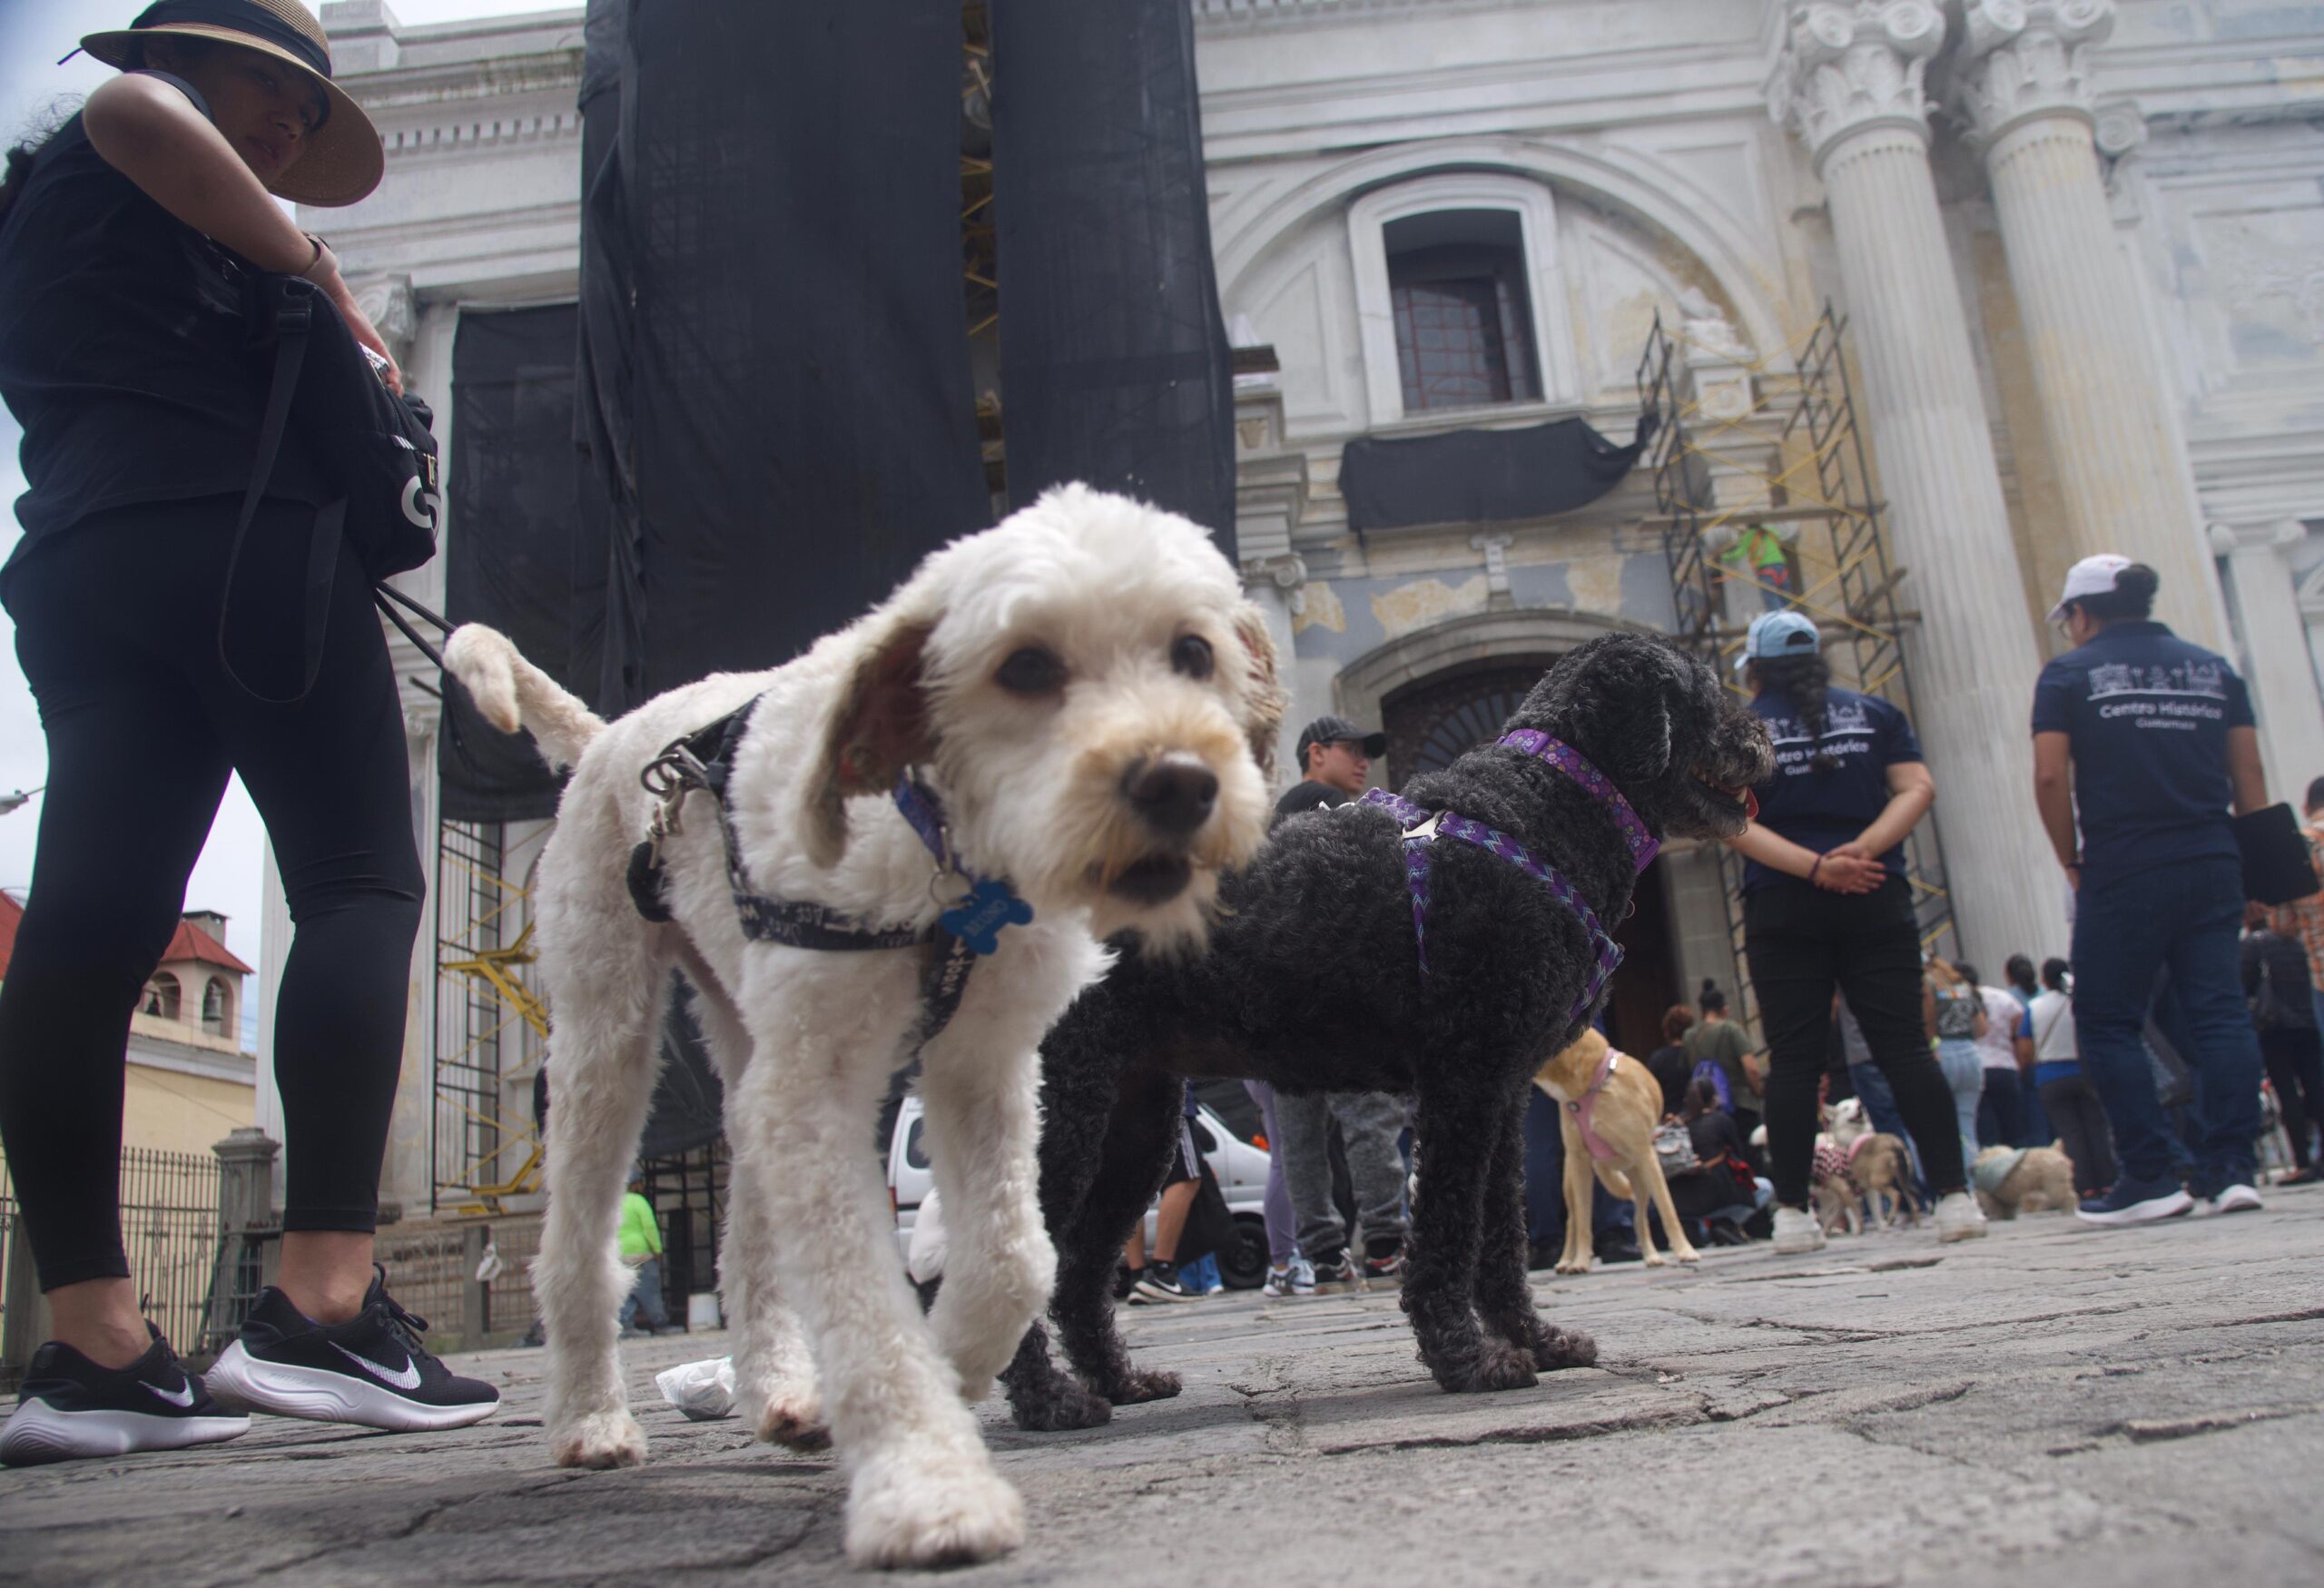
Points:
[(343, 160)]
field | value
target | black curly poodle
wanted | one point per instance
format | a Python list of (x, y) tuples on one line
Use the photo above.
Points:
[(1311, 982)]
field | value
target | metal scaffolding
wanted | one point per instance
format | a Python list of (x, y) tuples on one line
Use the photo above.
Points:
[(1773, 441), (491, 1025)]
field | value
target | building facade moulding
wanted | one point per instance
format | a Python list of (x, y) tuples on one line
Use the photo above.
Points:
[(388, 303), (2027, 60), (1655, 194), (1365, 684), (1850, 68)]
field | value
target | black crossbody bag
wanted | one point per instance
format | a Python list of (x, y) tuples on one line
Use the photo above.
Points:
[(374, 445)]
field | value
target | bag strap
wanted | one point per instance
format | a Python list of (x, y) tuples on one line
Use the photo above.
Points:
[(386, 598), (293, 321)]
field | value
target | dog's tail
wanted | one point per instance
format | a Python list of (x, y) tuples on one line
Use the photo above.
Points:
[(513, 693)]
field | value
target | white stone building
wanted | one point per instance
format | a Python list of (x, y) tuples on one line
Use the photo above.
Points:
[(2077, 244)]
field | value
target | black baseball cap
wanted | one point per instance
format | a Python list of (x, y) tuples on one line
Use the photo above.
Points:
[(1324, 730)]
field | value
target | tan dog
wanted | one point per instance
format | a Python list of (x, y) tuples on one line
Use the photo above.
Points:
[(1622, 1104), (1878, 1165), (2036, 1180)]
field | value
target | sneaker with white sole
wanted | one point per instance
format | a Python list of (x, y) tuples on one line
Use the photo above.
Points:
[(2237, 1199), (1797, 1232), (68, 1407), (2137, 1201), (1958, 1217), (371, 1369), (1297, 1277)]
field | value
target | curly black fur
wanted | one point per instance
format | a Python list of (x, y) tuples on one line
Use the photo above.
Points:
[(1312, 983)]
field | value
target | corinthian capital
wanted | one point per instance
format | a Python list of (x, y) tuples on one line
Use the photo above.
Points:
[(1848, 65), (2025, 59)]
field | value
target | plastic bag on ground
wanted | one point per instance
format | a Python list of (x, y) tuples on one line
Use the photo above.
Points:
[(704, 1391)]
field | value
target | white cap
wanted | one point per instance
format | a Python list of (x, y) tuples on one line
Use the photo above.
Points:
[(2092, 575)]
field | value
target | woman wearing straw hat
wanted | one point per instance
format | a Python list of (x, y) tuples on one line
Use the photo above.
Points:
[(126, 239), (1825, 908)]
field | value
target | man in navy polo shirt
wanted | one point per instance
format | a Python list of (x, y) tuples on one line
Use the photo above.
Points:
[(2142, 742)]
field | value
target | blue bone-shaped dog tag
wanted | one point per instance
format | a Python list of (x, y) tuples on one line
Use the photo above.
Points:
[(979, 920)]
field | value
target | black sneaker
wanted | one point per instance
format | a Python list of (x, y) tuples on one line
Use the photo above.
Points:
[(69, 1407), (1335, 1273), (1159, 1282), (370, 1370)]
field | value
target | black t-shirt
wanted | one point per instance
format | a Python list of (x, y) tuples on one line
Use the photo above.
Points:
[(2146, 714), (124, 350), (1306, 796), (1820, 811)]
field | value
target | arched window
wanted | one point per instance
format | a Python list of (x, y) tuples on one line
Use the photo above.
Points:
[(1460, 297), (161, 996), (217, 1007)]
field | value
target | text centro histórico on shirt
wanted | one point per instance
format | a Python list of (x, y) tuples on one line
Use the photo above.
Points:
[(1864, 735), (2147, 716)]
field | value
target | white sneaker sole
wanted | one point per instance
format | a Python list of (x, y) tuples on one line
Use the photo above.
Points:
[(37, 1433), (2238, 1199), (318, 1395), (2146, 1212)]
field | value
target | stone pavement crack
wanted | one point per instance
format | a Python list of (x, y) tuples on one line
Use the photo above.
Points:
[(1549, 1433)]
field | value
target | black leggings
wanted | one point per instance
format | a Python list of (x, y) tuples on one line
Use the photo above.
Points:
[(116, 630), (1803, 943)]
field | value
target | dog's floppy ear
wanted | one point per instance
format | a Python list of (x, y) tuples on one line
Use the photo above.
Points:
[(1263, 697), (878, 726)]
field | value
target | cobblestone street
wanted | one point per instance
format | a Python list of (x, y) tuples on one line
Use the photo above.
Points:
[(2054, 1404)]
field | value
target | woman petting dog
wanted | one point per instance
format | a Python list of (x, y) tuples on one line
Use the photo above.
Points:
[(124, 240), (1825, 904)]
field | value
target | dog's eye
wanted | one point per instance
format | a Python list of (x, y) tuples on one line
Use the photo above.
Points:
[(1190, 655), (1031, 671)]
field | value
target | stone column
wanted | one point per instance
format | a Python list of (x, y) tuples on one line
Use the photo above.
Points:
[(2275, 651), (2023, 85), (1850, 84)]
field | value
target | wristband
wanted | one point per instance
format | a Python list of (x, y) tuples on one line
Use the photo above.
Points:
[(308, 274), (1814, 869)]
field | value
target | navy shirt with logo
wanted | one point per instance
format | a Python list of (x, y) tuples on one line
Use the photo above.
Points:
[(1864, 735), (2147, 716)]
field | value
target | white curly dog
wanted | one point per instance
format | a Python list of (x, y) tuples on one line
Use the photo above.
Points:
[(1091, 700)]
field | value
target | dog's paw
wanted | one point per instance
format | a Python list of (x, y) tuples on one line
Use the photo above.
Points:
[(1562, 1349), (1067, 1407), (1140, 1385), (926, 1512), (1571, 1266), (601, 1439), (1503, 1367), (795, 1421), (1687, 1254), (1655, 1260)]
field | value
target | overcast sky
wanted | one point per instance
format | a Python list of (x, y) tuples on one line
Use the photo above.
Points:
[(33, 35)]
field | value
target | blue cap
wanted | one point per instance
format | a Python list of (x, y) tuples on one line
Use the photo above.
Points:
[(1778, 634)]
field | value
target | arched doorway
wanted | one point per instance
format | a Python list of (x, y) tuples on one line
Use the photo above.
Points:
[(1431, 722)]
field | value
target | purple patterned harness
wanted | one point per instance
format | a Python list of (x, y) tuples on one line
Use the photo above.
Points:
[(1422, 827)]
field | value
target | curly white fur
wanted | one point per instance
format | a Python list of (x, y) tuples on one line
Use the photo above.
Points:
[(1036, 787)]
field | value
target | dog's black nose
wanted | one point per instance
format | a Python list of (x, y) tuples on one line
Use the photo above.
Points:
[(1173, 794)]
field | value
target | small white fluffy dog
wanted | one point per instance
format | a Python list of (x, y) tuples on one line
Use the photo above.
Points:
[(1089, 697)]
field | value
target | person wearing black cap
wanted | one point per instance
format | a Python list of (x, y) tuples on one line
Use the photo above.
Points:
[(126, 240), (1336, 757)]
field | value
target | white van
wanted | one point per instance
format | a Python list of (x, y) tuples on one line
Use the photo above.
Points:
[(1240, 1167)]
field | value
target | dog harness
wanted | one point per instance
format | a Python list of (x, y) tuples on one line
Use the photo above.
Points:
[(1423, 828), (963, 933), (1831, 1163), (1988, 1172), (1582, 1106)]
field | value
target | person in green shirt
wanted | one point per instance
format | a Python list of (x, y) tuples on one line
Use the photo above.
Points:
[(1757, 558), (641, 1249), (1718, 1041)]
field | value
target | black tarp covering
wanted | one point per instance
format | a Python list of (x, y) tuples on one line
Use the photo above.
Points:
[(1115, 366), (606, 621), (1481, 477), (508, 555), (785, 311)]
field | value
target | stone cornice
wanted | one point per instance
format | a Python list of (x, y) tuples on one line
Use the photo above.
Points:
[(1239, 15), (1850, 68), (2023, 60)]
